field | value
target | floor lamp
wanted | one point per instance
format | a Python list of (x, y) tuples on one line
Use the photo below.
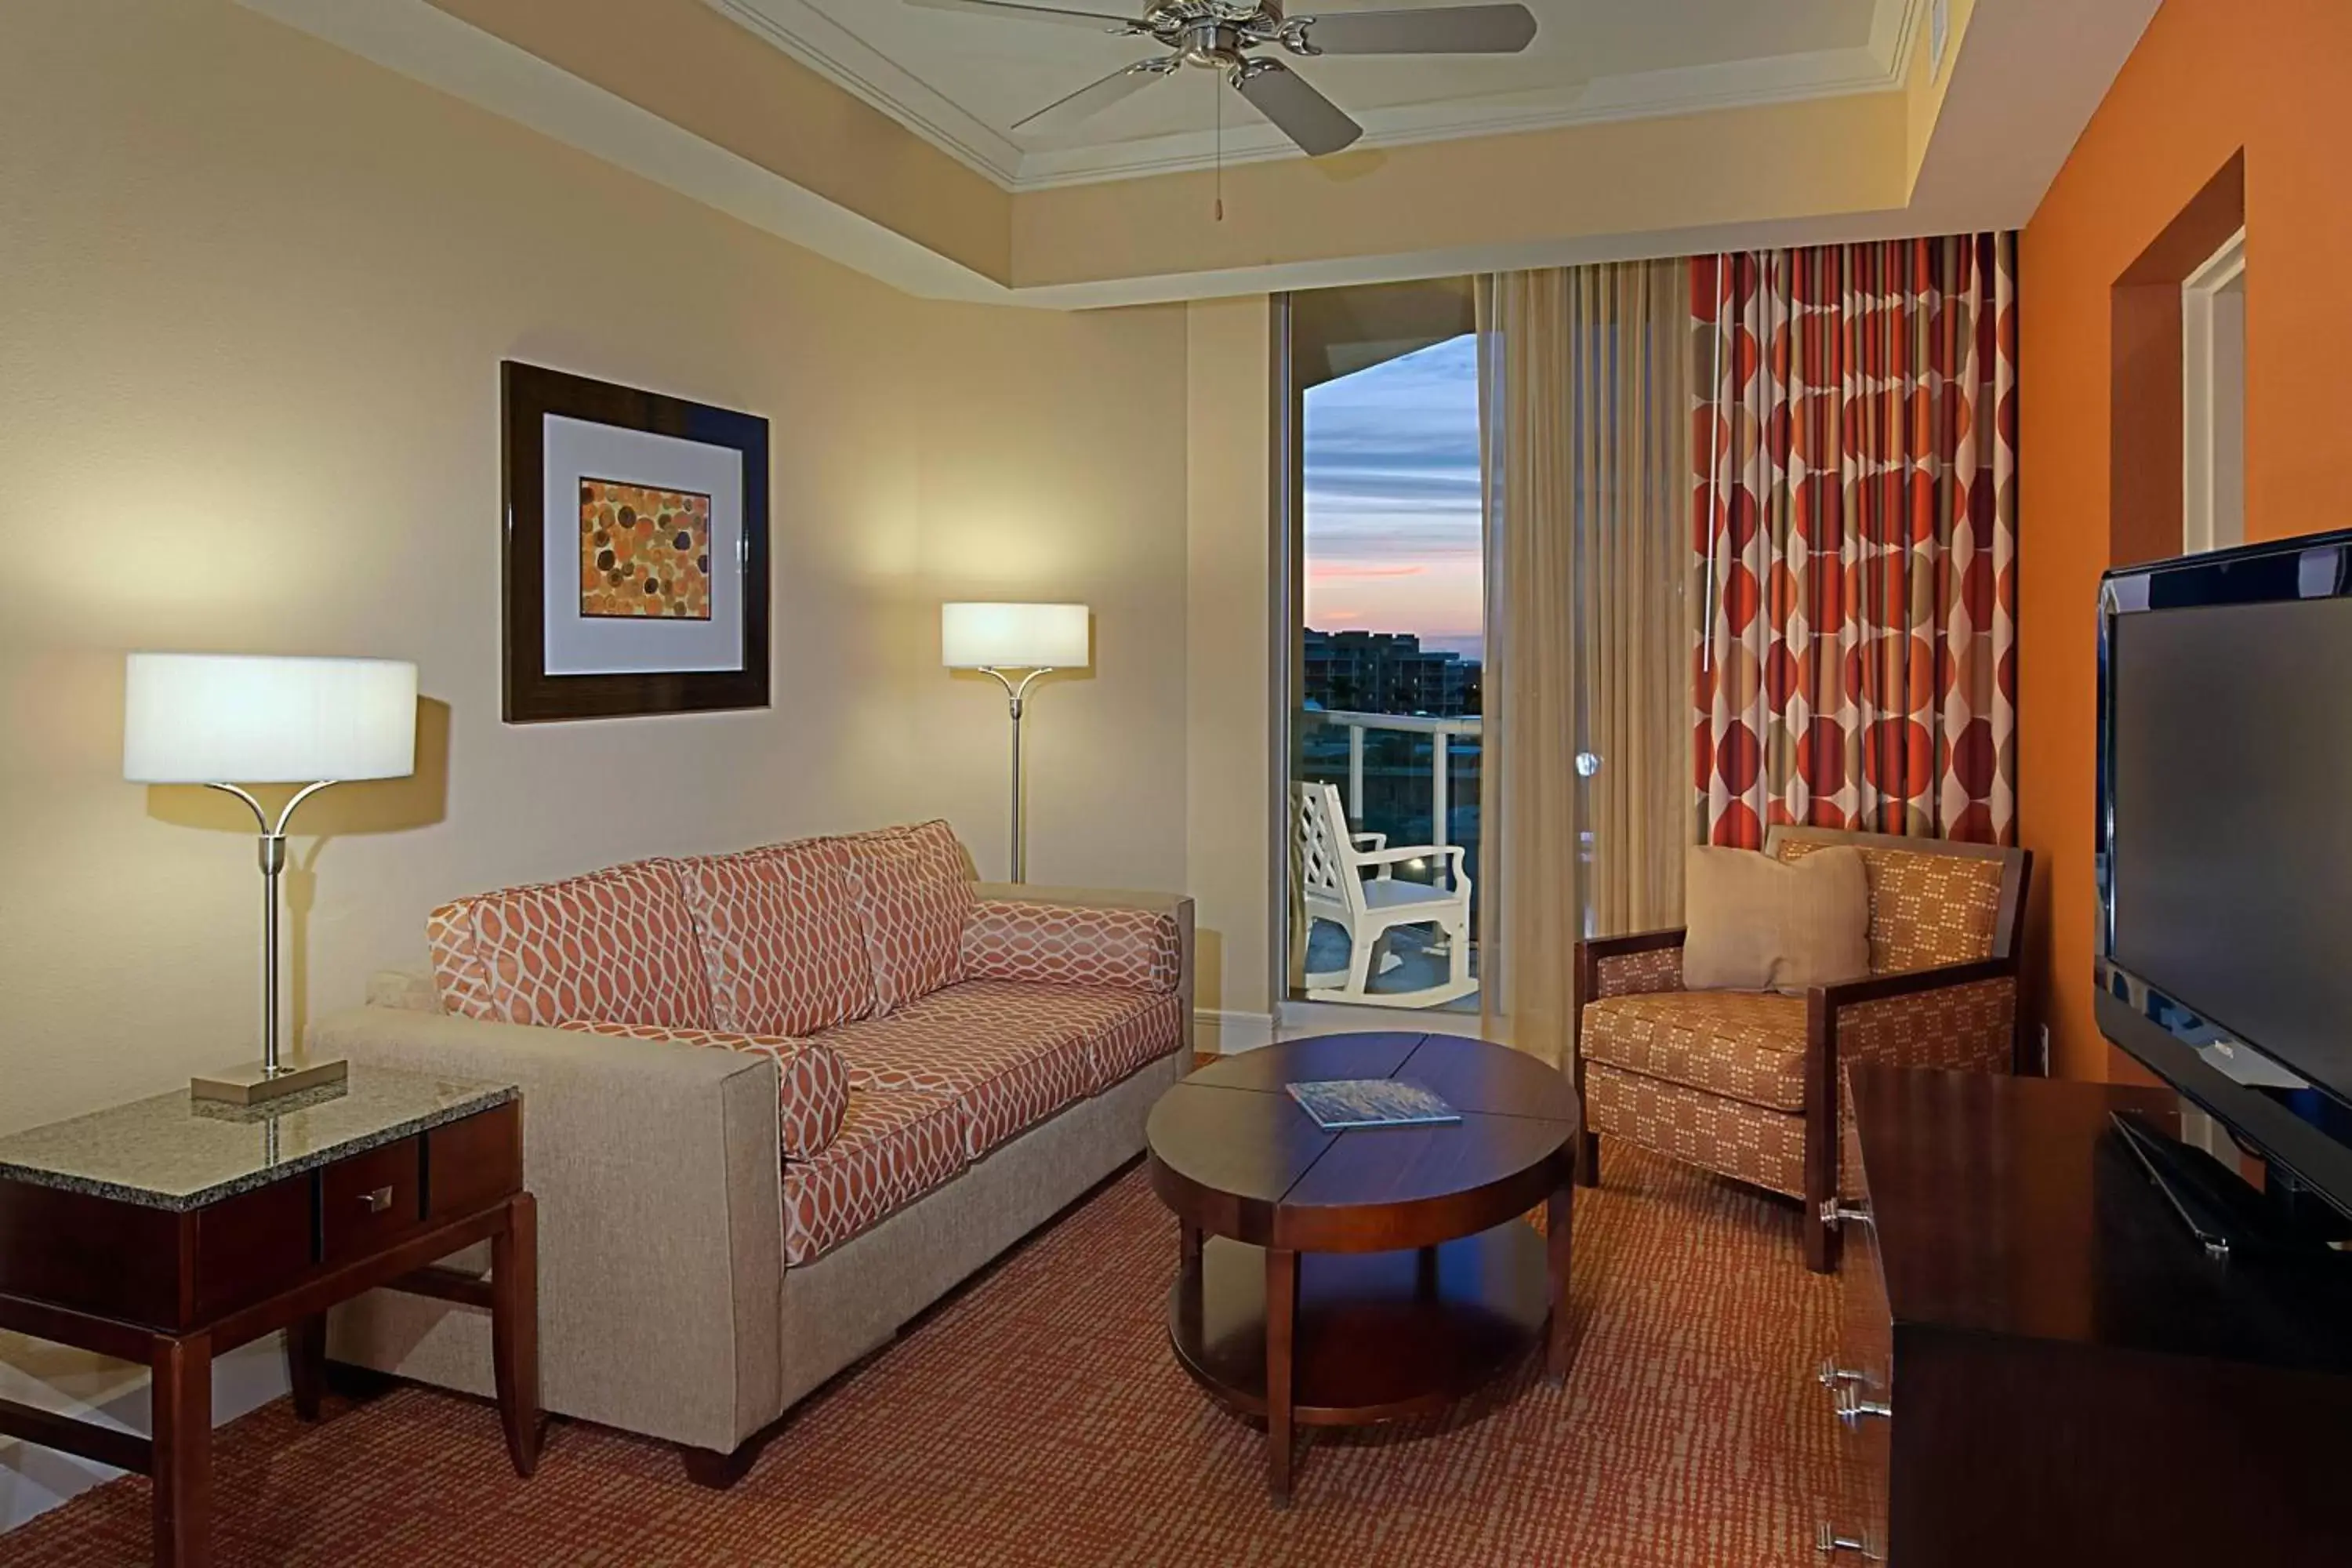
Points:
[(1006, 640), (225, 721)]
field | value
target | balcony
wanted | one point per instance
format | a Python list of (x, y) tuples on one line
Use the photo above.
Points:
[(1414, 778)]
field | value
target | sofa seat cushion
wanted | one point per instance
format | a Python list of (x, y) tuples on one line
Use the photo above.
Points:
[(1011, 1054), (893, 1147), (1743, 1044), (913, 897), (812, 1083), (1731, 1136), (614, 946), (782, 944)]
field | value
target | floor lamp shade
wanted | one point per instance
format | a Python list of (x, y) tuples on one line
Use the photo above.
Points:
[(195, 718), (1014, 637)]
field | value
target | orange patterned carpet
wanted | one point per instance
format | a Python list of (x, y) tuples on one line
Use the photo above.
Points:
[(1038, 1418)]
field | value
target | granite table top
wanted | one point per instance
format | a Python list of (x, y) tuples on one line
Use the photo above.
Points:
[(177, 1153)]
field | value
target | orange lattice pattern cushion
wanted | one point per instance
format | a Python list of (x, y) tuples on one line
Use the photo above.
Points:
[(614, 946), (913, 899), (1070, 944), (781, 938)]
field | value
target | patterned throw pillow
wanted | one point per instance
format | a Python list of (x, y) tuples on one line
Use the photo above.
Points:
[(1926, 908), (780, 938), (913, 898), (614, 946)]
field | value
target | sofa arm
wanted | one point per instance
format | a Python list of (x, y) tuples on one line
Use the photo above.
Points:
[(1632, 965), (1065, 936), (660, 1224), (814, 1092)]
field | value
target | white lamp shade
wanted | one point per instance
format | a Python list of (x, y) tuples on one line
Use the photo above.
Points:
[(1014, 637), (201, 718)]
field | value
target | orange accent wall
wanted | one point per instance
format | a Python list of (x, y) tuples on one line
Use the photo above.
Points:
[(2209, 78)]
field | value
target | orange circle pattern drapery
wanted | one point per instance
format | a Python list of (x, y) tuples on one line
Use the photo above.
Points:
[(1854, 515)]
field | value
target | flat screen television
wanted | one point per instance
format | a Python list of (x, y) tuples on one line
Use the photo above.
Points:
[(2224, 852)]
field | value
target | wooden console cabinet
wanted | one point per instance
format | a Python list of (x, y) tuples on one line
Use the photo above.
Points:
[(2041, 1366)]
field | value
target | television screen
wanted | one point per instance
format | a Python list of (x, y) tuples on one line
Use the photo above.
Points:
[(2230, 772)]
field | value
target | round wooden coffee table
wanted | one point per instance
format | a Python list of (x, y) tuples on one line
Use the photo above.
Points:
[(1341, 1278)]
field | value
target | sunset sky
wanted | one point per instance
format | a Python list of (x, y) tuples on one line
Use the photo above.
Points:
[(1392, 533)]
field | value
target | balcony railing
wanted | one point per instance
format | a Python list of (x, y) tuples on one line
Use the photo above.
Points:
[(1443, 733)]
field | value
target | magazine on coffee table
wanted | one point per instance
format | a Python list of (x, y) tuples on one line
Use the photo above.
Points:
[(1339, 1105)]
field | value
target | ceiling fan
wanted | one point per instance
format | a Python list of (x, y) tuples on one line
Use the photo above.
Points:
[(1219, 34)]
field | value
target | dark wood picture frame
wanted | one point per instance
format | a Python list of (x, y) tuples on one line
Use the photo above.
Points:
[(527, 394)]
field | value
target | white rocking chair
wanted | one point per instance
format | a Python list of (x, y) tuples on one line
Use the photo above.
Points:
[(1331, 866)]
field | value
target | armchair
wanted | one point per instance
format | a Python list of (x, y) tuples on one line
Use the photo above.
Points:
[(1748, 1084)]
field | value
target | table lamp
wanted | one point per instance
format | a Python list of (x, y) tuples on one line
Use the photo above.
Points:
[(1036, 639), (225, 721)]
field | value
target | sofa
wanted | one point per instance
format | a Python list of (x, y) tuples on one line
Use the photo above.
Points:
[(774, 1104), (1749, 1084)]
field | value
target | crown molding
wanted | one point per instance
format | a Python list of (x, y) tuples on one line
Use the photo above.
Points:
[(811, 36)]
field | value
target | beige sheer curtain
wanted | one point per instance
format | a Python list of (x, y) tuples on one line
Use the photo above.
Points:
[(1584, 405)]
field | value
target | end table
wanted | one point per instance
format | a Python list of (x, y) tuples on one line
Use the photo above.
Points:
[(168, 1231)]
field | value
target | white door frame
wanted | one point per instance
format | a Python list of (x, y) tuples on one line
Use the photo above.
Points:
[(2213, 400)]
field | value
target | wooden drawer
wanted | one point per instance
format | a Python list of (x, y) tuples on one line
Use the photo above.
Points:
[(371, 1200), (251, 1246), (471, 1164)]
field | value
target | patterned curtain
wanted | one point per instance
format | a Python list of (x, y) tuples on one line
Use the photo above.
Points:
[(1854, 446)]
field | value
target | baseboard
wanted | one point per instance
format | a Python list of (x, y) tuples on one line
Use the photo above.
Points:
[(1225, 1033), (34, 1480)]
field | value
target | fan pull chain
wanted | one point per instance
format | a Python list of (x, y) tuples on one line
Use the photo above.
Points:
[(1217, 84)]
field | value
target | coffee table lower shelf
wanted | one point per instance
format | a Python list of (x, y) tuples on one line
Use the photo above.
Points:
[(1378, 1336)]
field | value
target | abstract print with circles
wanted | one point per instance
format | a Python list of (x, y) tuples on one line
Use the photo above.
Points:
[(1854, 447), (644, 552)]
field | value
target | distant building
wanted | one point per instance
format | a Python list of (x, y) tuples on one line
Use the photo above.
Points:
[(1387, 672)]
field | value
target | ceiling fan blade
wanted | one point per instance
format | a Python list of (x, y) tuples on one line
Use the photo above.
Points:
[(1298, 110), (1093, 98), (1443, 30), (1010, 11)]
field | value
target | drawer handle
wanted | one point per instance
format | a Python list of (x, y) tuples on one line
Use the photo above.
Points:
[(1832, 1374), (1851, 1407), (1829, 1543), (377, 1201), (1835, 1214)]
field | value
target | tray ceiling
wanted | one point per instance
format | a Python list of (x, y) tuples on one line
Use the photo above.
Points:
[(961, 80)]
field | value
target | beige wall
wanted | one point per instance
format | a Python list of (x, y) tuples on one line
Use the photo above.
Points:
[(1232, 629), (252, 296)]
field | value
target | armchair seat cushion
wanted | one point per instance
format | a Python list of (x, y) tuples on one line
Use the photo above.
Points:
[(893, 1147), (1008, 1054), (1748, 1046)]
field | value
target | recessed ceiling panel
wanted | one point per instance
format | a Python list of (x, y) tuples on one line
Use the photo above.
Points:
[(966, 81)]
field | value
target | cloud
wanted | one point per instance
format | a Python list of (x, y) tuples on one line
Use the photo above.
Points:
[(1326, 570)]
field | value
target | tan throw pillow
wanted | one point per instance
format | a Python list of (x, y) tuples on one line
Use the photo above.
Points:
[(1761, 924)]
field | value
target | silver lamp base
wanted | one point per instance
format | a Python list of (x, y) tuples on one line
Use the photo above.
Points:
[(253, 1083)]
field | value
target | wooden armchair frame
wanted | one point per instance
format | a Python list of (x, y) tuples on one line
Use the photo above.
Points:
[(1823, 1006)]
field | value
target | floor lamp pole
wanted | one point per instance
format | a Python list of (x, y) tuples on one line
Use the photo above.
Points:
[(1016, 700)]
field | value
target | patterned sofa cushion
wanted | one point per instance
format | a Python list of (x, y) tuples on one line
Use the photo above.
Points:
[(1745, 1044), (812, 1083), (913, 899), (1926, 908), (614, 946), (891, 1150), (781, 940), (1010, 1054), (1071, 944)]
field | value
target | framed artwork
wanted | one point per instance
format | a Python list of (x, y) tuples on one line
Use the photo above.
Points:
[(636, 551)]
